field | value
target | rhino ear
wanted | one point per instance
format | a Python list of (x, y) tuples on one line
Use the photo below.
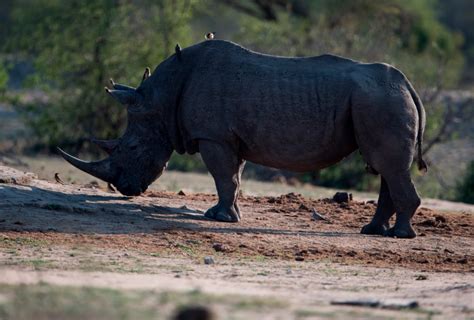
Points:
[(146, 74), (177, 49), (125, 97)]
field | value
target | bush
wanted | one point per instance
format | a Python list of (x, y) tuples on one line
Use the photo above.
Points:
[(76, 46), (465, 190)]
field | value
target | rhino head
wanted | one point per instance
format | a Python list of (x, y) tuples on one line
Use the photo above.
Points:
[(138, 157)]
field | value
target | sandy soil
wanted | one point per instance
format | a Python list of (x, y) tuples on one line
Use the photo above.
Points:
[(278, 249)]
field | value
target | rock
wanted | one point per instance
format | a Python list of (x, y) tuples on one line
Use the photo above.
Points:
[(421, 277), (219, 247), (110, 188), (209, 260), (342, 197), (373, 303), (194, 313), (429, 223), (299, 258), (91, 185), (317, 216), (13, 176), (181, 193), (397, 304), (303, 207), (279, 179), (394, 304)]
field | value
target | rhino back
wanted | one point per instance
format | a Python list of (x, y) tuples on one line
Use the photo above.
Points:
[(281, 112)]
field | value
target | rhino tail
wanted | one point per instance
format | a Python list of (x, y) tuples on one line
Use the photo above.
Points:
[(422, 166)]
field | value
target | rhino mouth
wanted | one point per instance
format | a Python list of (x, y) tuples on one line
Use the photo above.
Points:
[(130, 190)]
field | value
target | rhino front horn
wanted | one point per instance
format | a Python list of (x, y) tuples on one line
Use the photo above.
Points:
[(99, 169)]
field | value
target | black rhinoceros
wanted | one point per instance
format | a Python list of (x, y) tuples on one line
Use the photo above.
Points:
[(231, 104)]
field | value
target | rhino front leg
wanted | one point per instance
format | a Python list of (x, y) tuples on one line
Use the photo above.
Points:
[(226, 168)]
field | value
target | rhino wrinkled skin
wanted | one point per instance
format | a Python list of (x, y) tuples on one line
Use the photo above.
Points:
[(231, 104)]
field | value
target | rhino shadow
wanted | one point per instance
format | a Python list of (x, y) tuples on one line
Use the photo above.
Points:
[(35, 209)]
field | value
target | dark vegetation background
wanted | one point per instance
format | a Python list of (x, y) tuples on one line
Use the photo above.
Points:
[(56, 57)]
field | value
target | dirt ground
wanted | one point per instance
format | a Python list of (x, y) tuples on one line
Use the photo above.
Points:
[(78, 235)]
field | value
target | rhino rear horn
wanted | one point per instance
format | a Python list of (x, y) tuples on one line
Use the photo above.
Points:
[(125, 97)]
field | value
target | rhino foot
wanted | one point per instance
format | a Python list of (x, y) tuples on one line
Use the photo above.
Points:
[(373, 228), (224, 214), (405, 232)]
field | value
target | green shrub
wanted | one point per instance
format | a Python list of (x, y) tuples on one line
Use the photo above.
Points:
[(465, 190), (76, 46)]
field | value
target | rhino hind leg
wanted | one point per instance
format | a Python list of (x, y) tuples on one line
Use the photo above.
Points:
[(406, 201), (385, 210), (388, 146), (226, 169)]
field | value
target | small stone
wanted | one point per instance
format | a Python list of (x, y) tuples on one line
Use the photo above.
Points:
[(341, 197), (318, 216), (421, 277), (195, 313), (299, 258), (351, 253), (304, 207), (209, 260), (372, 303), (181, 193), (219, 247)]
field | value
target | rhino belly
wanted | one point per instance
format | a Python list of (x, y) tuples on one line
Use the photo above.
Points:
[(296, 148)]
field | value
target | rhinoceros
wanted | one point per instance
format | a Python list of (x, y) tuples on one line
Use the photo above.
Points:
[(232, 104)]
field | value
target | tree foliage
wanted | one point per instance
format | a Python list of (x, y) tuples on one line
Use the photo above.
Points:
[(466, 186), (77, 45)]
